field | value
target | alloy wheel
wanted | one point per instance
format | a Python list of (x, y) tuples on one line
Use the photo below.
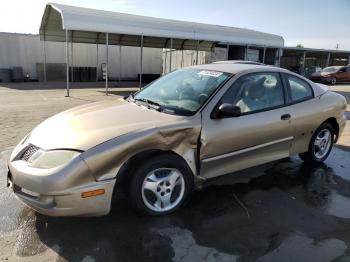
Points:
[(163, 189), (322, 143)]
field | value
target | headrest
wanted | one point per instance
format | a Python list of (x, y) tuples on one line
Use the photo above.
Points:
[(256, 89)]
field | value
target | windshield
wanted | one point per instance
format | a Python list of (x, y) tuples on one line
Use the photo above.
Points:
[(330, 69), (182, 92)]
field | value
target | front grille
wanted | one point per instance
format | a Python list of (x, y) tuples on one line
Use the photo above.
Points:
[(28, 152)]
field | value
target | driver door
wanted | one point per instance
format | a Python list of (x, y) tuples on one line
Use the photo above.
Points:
[(263, 132), (345, 76), (342, 75)]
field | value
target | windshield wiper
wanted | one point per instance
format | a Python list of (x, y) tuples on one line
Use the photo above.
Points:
[(150, 103), (130, 97)]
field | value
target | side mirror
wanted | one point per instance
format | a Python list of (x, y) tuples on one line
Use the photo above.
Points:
[(228, 110)]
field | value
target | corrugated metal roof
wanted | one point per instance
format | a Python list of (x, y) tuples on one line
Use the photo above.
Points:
[(316, 50), (90, 25)]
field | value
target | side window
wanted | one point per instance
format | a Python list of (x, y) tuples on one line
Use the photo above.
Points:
[(256, 92), (299, 89)]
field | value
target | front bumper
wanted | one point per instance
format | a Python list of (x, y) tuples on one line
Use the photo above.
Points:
[(55, 195)]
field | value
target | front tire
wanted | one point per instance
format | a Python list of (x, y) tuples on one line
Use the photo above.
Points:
[(321, 144), (333, 81), (160, 185)]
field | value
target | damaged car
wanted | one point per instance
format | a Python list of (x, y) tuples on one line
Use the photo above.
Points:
[(163, 142)]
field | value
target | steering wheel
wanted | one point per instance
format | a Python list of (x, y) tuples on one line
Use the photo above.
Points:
[(186, 91), (202, 97)]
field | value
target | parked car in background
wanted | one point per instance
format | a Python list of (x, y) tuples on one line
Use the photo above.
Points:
[(332, 75), (158, 145)]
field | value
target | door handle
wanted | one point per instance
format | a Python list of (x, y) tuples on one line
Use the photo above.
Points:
[(285, 117)]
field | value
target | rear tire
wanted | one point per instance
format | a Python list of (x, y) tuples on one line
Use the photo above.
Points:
[(160, 185), (321, 144), (333, 81)]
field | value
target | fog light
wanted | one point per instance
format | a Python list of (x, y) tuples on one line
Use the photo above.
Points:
[(93, 193)]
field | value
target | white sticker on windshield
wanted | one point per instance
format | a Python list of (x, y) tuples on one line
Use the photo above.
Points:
[(210, 73)]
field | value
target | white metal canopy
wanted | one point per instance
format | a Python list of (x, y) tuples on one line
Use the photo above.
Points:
[(90, 26), (63, 23)]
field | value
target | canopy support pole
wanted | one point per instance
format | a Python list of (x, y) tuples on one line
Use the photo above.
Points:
[(212, 50), (165, 60), (197, 52), (171, 53), (304, 58), (264, 54), (44, 47), (246, 52), (120, 63), (182, 58), (97, 62), (106, 64), (328, 59), (279, 56), (72, 61), (182, 53), (227, 50), (67, 65), (165, 53), (141, 53)]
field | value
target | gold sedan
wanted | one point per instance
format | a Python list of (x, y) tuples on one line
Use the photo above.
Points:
[(161, 143)]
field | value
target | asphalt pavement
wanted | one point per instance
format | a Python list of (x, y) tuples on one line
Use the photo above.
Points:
[(288, 211)]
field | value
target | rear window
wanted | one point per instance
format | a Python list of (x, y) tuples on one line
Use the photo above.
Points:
[(299, 89), (330, 69)]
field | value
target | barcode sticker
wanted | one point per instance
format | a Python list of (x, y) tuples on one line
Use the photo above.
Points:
[(210, 73)]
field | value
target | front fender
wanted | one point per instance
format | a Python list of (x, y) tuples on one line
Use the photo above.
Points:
[(105, 160)]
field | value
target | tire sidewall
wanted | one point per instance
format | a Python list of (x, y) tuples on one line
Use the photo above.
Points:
[(161, 161)]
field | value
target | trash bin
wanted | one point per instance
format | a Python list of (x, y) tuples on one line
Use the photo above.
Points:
[(5, 75), (92, 73), (17, 74)]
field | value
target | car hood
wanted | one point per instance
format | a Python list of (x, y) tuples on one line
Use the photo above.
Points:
[(86, 126)]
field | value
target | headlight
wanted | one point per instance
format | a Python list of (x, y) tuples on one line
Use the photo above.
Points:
[(51, 159)]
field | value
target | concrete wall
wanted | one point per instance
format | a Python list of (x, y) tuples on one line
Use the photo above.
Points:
[(27, 50)]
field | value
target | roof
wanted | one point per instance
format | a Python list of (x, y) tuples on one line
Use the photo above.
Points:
[(90, 26), (238, 62), (235, 68), (315, 50)]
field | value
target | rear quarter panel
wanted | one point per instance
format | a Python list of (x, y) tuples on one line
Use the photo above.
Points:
[(309, 115)]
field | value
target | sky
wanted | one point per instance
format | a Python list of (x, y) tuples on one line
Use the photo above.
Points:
[(312, 23)]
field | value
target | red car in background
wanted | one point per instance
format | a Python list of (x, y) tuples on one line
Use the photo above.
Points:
[(332, 75)]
